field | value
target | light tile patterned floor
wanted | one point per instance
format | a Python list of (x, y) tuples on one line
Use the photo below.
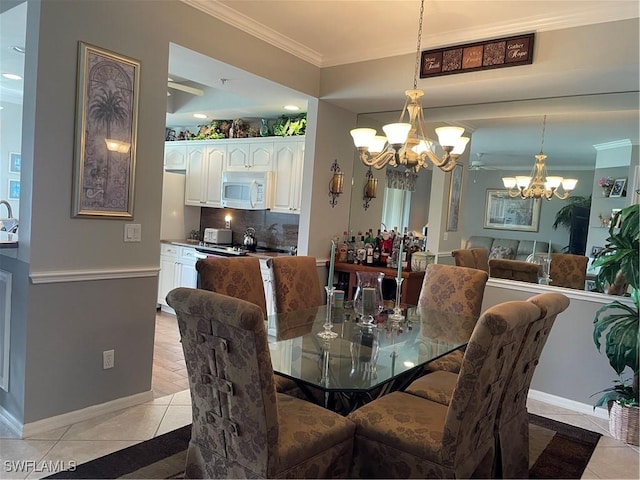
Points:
[(171, 409)]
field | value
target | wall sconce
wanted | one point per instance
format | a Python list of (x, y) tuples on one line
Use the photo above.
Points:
[(370, 188), (335, 185), (227, 221)]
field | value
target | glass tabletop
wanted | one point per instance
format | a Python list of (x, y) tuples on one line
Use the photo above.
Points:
[(362, 357)]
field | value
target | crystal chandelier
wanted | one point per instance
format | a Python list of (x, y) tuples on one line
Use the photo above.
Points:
[(405, 142), (538, 184)]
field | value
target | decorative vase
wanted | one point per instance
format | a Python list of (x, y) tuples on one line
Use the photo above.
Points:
[(606, 191), (264, 127), (368, 301)]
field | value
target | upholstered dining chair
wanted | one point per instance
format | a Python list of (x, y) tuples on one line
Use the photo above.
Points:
[(511, 427), (241, 427), (513, 270), (512, 422), (472, 258), (400, 435), (240, 278), (236, 277), (452, 289), (295, 282), (568, 270)]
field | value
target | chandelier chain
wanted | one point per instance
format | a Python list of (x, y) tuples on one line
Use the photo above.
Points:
[(415, 73), (544, 126)]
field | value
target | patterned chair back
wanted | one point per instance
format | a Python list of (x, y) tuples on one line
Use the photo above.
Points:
[(568, 270), (492, 350), (231, 381), (234, 277), (453, 289), (512, 423), (295, 282), (472, 258)]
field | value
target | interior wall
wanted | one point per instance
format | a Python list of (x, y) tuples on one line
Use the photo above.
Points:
[(93, 291)]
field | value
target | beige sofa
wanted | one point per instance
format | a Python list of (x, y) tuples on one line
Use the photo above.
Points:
[(519, 249)]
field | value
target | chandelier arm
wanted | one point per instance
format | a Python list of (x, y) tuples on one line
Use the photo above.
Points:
[(378, 161)]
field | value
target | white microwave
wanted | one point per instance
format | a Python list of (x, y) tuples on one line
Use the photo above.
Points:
[(246, 190)]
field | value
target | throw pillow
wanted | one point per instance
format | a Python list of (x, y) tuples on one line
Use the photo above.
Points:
[(501, 252)]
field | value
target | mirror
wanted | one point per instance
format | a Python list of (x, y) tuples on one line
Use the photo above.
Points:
[(504, 139)]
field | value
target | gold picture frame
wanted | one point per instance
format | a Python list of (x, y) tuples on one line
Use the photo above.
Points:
[(106, 133)]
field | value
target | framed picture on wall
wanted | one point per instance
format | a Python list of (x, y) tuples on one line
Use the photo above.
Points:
[(618, 187), (106, 131), (15, 160), (455, 194), (14, 189), (503, 212)]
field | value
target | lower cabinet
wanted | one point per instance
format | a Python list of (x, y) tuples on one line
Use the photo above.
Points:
[(177, 269), (268, 295)]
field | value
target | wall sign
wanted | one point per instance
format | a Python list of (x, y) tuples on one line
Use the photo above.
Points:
[(471, 57)]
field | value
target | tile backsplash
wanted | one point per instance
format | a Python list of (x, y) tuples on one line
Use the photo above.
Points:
[(273, 230)]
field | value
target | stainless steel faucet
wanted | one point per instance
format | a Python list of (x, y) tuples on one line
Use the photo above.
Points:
[(9, 224), (9, 211)]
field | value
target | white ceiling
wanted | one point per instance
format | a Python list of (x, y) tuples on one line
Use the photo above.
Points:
[(335, 32)]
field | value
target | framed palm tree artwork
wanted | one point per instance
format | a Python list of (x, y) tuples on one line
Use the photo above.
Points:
[(105, 135)]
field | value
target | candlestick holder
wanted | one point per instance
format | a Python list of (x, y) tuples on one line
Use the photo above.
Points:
[(327, 333), (397, 316), (324, 379)]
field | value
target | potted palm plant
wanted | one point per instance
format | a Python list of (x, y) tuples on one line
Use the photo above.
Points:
[(615, 326)]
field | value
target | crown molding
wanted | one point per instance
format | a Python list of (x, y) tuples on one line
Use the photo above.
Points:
[(602, 13), (262, 32)]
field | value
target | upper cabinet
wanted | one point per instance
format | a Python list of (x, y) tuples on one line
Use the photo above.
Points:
[(205, 160), (254, 154), (288, 157), (203, 186), (175, 155)]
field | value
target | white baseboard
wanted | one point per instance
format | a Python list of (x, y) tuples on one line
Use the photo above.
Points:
[(40, 426), (10, 421), (572, 405)]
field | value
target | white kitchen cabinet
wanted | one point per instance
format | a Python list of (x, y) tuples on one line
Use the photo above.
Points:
[(175, 155), (203, 184), (255, 154), (288, 159), (177, 269)]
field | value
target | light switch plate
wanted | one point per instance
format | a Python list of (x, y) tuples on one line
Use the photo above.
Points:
[(132, 232)]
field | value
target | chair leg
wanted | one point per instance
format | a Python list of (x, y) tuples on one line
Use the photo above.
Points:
[(513, 447)]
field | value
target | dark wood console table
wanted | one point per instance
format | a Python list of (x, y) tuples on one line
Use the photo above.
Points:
[(410, 286)]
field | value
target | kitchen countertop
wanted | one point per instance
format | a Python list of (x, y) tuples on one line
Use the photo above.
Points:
[(261, 252)]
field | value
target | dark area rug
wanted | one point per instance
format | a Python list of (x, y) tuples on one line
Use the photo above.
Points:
[(557, 451)]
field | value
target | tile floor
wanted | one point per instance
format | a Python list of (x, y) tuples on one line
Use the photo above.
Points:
[(171, 409)]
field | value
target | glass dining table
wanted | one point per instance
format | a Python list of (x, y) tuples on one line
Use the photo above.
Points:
[(365, 360)]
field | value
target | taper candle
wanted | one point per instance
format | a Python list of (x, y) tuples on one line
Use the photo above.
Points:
[(332, 262), (400, 261), (534, 248), (549, 253)]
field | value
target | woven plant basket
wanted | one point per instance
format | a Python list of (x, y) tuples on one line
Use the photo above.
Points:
[(624, 423)]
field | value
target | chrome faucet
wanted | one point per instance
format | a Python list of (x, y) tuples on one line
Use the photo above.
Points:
[(9, 211), (9, 224)]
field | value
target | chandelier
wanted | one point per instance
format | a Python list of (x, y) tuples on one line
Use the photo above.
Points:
[(405, 142), (538, 184)]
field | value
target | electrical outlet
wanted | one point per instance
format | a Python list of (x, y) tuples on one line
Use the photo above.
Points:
[(108, 359)]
